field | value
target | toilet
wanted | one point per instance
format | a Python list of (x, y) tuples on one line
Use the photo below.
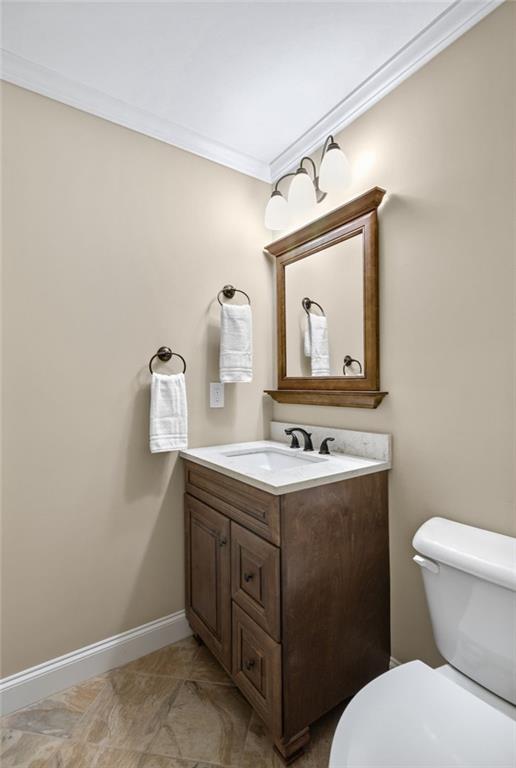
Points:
[(463, 713)]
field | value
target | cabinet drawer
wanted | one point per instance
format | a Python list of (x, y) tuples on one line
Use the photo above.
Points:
[(256, 509), (255, 578), (257, 668)]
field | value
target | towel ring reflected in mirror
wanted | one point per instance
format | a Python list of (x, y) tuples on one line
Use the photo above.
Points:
[(165, 354), (229, 292), (348, 362), (308, 303)]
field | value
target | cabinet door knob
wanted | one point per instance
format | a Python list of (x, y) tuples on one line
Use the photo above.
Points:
[(250, 664), (222, 541), (248, 576)]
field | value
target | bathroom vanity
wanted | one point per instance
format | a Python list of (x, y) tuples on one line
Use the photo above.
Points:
[(287, 575)]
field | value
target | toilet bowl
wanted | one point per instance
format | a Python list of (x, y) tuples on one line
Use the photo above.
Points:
[(464, 713)]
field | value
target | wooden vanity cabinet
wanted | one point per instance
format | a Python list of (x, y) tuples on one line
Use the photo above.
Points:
[(290, 593)]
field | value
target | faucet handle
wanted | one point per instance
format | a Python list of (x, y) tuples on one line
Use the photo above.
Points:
[(295, 441), (324, 449)]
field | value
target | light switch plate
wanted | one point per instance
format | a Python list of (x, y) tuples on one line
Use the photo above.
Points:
[(216, 395)]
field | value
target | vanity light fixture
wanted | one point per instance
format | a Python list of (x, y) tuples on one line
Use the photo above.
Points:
[(302, 191), (335, 172), (307, 190), (277, 212)]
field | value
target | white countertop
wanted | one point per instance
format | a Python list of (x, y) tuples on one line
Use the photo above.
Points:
[(316, 470)]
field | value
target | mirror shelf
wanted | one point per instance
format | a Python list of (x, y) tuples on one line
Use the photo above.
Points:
[(328, 308), (349, 399)]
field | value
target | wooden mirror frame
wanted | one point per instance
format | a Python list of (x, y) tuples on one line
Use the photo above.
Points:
[(353, 218)]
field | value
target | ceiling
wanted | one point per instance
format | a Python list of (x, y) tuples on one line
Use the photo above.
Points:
[(250, 85)]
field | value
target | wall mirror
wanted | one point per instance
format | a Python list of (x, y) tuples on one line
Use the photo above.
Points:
[(328, 308)]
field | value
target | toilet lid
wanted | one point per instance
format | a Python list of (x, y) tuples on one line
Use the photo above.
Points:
[(413, 717)]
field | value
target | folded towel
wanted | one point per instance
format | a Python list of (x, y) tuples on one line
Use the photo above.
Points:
[(308, 343), (168, 413), (236, 343), (319, 347)]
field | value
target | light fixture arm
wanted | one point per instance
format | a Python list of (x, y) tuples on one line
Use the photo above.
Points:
[(285, 176), (329, 140), (314, 167), (319, 194)]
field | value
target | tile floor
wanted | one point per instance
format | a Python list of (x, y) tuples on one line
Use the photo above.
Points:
[(175, 708)]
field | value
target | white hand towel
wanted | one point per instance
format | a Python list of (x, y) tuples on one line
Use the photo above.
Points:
[(308, 343), (236, 343), (168, 413), (319, 347)]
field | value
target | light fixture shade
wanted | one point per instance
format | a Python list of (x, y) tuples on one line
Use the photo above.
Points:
[(335, 173), (301, 195), (276, 213)]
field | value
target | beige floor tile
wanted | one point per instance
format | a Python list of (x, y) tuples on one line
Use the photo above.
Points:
[(174, 660), (152, 719), (73, 754), (128, 711), (157, 761), (26, 750), (60, 714), (80, 755), (206, 669), (81, 696), (207, 722)]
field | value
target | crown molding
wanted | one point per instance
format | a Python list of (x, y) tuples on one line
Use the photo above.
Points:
[(47, 82), (444, 30)]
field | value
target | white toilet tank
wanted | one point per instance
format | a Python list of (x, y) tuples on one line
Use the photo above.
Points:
[(470, 583)]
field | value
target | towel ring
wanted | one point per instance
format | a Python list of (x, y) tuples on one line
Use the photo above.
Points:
[(348, 362), (307, 304), (165, 354), (229, 291)]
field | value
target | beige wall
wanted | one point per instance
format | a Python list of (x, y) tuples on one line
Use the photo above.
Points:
[(442, 144), (113, 245)]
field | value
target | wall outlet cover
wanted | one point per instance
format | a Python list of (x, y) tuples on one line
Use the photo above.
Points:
[(216, 395)]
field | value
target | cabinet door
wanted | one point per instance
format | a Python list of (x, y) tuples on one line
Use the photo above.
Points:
[(208, 588)]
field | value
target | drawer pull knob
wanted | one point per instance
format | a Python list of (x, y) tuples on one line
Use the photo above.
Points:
[(250, 664), (248, 576), (223, 541)]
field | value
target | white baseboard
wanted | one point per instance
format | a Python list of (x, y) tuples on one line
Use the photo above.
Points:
[(38, 682), (31, 685)]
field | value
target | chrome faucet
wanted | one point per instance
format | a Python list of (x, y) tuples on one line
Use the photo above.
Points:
[(295, 442)]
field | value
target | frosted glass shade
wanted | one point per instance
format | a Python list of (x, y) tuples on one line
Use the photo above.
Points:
[(335, 173), (276, 213), (301, 195)]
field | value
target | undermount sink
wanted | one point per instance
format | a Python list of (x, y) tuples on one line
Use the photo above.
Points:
[(274, 467), (269, 459)]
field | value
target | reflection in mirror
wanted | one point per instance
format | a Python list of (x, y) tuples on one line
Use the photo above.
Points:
[(324, 305)]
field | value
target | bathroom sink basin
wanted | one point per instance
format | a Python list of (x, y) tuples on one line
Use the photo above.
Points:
[(269, 459), (273, 466)]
